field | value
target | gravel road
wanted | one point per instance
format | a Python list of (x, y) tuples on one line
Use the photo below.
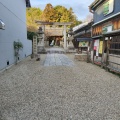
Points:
[(32, 91)]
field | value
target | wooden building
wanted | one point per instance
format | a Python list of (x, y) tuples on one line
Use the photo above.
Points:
[(106, 33), (82, 37), (54, 33)]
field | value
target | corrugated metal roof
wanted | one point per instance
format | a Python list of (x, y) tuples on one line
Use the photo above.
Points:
[(80, 26)]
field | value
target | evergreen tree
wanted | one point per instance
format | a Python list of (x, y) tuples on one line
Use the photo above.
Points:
[(65, 15), (49, 14)]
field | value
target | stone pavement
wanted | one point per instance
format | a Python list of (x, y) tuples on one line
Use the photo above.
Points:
[(32, 91), (57, 60), (55, 50)]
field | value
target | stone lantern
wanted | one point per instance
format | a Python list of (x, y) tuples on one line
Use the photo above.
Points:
[(70, 32), (70, 38), (40, 36), (40, 47)]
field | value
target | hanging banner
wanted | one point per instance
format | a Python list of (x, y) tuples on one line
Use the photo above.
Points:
[(96, 47), (100, 47)]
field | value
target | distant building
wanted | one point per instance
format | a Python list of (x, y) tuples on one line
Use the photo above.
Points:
[(13, 15), (54, 33), (82, 38), (82, 33)]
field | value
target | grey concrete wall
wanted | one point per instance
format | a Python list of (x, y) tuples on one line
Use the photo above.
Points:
[(98, 16), (13, 14)]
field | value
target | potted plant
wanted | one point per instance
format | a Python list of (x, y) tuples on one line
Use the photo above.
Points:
[(17, 47)]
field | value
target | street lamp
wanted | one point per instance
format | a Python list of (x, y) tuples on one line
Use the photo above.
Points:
[(2, 25), (70, 39), (70, 32)]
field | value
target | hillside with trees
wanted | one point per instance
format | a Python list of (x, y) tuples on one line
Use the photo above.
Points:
[(50, 14)]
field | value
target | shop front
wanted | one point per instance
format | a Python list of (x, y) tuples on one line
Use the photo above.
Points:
[(113, 51), (106, 43), (106, 33), (83, 40)]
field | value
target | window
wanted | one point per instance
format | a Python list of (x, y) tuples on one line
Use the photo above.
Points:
[(115, 45)]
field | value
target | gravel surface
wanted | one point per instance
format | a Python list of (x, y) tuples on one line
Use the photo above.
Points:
[(32, 91)]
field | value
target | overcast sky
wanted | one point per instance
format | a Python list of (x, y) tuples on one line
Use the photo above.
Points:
[(80, 7)]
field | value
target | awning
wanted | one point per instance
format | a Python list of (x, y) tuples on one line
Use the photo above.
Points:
[(99, 36), (83, 39)]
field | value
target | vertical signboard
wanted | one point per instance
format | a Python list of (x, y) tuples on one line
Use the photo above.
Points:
[(108, 7), (35, 44), (96, 47), (100, 47), (83, 44)]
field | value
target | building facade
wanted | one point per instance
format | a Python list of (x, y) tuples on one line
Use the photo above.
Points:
[(13, 14), (82, 38), (54, 33), (106, 33), (82, 34)]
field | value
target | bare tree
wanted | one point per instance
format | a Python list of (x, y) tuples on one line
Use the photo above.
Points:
[(89, 18)]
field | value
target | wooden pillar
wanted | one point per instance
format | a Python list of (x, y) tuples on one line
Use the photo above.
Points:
[(65, 40), (43, 29), (107, 56), (93, 50), (103, 49)]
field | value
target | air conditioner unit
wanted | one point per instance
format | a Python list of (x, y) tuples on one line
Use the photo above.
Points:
[(2, 25)]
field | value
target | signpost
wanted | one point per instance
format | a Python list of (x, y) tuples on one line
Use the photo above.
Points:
[(107, 28), (35, 45), (100, 47), (83, 44)]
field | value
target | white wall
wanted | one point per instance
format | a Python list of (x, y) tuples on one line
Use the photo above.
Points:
[(13, 14)]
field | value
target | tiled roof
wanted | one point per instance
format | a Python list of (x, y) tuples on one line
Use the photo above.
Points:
[(95, 3), (80, 26)]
